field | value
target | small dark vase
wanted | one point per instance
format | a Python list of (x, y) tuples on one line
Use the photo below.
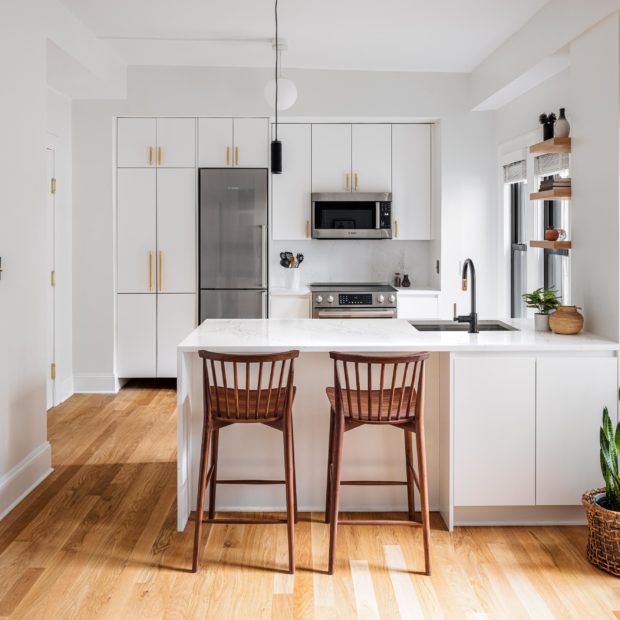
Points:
[(406, 282), (547, 131)]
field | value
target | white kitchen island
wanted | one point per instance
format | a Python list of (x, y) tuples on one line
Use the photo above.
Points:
[(511, 420)]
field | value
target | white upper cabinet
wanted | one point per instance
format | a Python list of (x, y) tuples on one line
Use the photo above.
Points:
[(176, 142), (251, 142), (136, 142), (176, 317), (331, 157), (411, 182), (227, 142), (371, 154), (176, 230), (136, 230), (571, 394), (215, 142), (290, 191)]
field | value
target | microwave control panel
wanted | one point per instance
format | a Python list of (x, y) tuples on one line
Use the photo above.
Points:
[(385, 215)]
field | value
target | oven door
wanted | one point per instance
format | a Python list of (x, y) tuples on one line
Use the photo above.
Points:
[(348, 216), (354, 313)]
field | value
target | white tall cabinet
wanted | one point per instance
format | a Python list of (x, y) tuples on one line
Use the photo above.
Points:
[(156, 243)]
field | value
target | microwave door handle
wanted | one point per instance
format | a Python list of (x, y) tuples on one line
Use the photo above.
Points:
[(377, 215)]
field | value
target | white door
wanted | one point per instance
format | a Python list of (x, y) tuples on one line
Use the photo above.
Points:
[(571, 393), (50, 250), (176, 230), (291, 190), (494, 430), (176, 318), (136, 224), (136, 346), (215, 142), (136, 142), (331, 158), (411, 182), (176, 142), (251, 142), (371, 154)]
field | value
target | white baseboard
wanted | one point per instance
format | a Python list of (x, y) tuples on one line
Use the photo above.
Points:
[(96, 383), (20, 480)]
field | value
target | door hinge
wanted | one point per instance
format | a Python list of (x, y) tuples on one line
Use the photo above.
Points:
[(53, 278), (53, 185), (53, 370)]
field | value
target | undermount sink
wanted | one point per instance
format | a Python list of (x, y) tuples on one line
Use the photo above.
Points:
[(451, 326)]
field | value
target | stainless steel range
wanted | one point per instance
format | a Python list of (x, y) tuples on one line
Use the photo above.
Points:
[(353, 300)]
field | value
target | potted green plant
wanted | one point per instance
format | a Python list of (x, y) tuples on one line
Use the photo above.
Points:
[(603, 505), (545, 300)]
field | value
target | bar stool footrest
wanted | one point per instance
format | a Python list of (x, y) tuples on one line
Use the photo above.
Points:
[(372, 483), (378, 522), (250, 481), (244, 521)]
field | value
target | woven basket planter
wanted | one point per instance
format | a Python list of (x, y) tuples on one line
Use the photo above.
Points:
[(603, 533)]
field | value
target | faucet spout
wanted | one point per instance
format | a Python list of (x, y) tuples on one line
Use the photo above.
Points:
[(468, 281)]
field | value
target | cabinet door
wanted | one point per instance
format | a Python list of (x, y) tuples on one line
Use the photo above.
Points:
[(289, 307), (251, 141), (494, 431), (571, 393), (290, 191), (176, 230), (176, 142), (136, 225), (176, 318), (371, 162), (136, 346), (411, 181), (417, 307), (136, 142), (215, 142), (331, 158)]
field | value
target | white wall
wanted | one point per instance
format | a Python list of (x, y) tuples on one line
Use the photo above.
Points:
[(59, 137), (467, 159), (25, 456)]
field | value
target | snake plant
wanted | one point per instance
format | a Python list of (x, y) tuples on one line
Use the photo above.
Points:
[(610, 447)]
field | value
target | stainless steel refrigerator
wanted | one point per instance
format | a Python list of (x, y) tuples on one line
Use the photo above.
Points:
[(233, 243)]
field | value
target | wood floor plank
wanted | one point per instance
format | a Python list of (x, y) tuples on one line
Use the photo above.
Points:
[(98, 539)]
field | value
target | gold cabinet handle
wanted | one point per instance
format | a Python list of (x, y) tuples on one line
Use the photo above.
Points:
[(236, 156), (346, 182), (159, 155), (150, 270), (396, 229), (355, 181), (308, 229), (161, 270), (228, 156), (150, 155)]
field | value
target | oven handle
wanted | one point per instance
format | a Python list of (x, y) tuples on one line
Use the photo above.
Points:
[(387, 313)]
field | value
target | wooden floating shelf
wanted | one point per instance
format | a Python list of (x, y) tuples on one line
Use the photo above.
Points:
[(558, 193), (553, 145), (551, 245)]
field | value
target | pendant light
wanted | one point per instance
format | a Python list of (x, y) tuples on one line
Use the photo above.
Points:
[(276, 145), (287, 91)]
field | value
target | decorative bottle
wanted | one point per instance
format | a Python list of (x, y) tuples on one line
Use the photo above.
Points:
[(562, 126)]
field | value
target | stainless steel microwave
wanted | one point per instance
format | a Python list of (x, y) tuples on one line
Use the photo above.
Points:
[(352, 215)]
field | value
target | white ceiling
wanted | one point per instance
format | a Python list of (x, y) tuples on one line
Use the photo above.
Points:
[(382, 35)]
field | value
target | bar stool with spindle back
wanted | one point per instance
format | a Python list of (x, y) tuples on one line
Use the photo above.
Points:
[(250, 396), (399, 402)]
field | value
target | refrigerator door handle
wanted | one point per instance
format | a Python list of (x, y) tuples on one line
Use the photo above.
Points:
[(265, 302), (263, 245)]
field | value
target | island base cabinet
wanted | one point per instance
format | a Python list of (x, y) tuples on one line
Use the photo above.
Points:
[(494, 426), (136, 352), (176, 317), (570, 395)]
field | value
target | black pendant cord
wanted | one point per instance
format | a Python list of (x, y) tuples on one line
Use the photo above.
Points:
[(277, 53)]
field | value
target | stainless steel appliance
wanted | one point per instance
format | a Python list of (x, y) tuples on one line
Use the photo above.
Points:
[(352, 215), (357, 300), (233, 243)]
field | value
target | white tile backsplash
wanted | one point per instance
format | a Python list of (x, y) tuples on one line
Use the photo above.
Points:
[(354, 261)]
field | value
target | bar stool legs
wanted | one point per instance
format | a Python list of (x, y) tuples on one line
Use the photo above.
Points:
[(202, 487), (291, 500), (423, 487), (336, 455), (410, 474), (215, 437)]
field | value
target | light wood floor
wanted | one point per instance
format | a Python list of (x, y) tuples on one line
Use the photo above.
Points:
[(97, 540)]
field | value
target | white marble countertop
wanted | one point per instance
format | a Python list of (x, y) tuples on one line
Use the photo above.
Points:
[(282, 290), (418, 291), (313, 335)]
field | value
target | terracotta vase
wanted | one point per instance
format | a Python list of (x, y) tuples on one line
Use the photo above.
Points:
[(552, 234), (566, 320)]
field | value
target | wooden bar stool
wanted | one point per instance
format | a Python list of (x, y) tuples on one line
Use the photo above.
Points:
[(250, 396), (398, 401)]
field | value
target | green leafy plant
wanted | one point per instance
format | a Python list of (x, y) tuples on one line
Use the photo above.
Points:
[(610, 447), (543, 299)]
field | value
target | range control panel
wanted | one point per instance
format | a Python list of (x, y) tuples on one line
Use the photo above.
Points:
[(355, 299)]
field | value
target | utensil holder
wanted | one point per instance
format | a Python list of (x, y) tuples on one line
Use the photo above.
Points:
[(292, 278)]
